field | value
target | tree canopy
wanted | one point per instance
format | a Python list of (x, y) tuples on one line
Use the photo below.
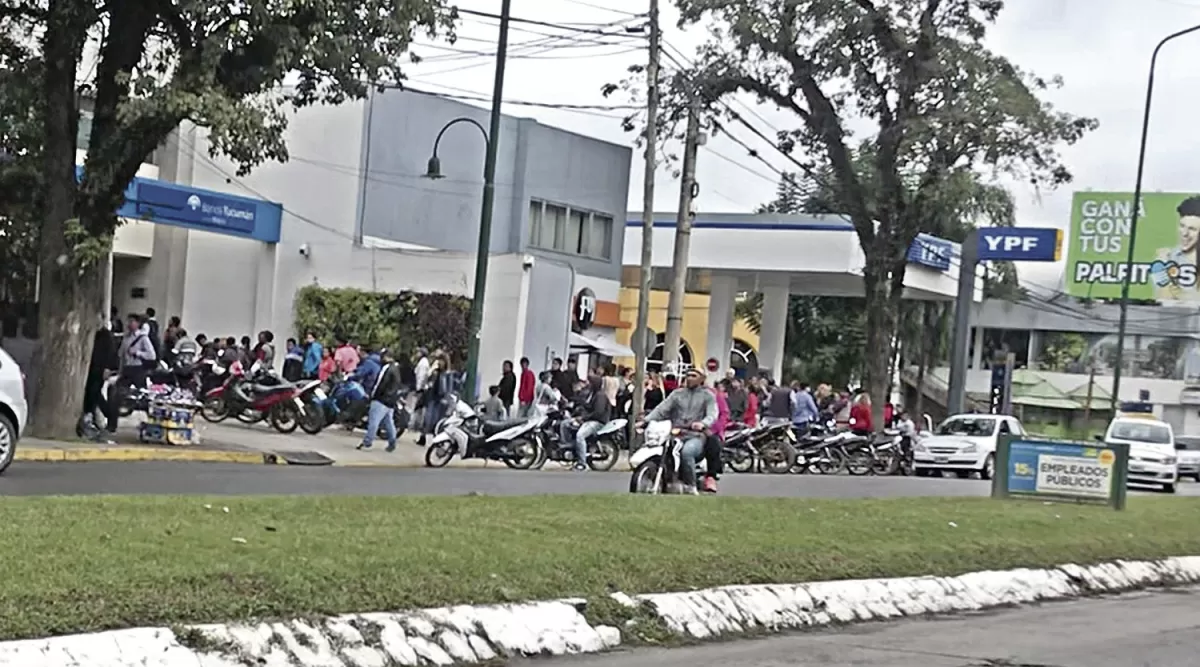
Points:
[(234, 68), (941, 108)]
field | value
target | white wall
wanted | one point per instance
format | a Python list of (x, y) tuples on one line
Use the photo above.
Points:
[(236, 287)]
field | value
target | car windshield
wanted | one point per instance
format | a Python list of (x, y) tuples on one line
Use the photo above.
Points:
[(969, 426), (1141, 431)]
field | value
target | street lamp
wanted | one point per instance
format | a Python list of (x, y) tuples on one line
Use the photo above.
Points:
[(434, 170), (1137, 197)]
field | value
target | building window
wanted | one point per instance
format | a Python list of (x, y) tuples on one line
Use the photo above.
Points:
[(570, 230), (743, 359), (655, 361)]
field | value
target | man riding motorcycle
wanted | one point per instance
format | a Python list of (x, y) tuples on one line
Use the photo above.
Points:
[(593, 412), (692, 407)]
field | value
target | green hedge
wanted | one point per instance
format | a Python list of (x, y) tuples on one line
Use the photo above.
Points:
[(401, 322)]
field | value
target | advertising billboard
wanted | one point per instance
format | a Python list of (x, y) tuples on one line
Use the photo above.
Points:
[(1164, 258)]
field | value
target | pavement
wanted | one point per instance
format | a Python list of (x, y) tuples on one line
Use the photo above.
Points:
[(1148, 629), (227, 479), (234, 442)]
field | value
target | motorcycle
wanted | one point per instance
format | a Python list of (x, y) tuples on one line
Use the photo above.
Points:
[(662, 447), (513, 442), (604, 446), (282, 403), (766, 447), (346, 402)]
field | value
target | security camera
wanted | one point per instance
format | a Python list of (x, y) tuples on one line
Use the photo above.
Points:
[(527, 262), (305, 250)]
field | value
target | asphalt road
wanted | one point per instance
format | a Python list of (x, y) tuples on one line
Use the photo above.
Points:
[(232, 479), (1140, 630)]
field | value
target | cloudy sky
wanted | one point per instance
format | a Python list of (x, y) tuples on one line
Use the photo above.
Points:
[(1101, 48)]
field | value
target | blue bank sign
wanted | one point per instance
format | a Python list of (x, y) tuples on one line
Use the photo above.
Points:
[(1020, 244), (931, 252), (195, 208), (1069, 470)]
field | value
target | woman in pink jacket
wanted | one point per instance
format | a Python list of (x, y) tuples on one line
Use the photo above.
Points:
[(712, 445)]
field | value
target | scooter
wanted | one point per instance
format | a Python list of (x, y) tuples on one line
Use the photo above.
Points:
[(513, 442), (660, 452)]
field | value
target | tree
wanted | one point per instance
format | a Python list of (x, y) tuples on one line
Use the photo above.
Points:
[(19, 141), (218, 64), (942, 106)]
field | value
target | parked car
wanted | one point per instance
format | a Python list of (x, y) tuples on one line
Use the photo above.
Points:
[(1187, 450), (14, 411), (964, 444), (1152, 456)]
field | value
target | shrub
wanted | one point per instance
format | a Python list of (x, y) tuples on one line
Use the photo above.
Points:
[(401, 322)]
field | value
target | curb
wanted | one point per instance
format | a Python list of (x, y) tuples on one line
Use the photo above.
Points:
[(482, 634), (128, 454)]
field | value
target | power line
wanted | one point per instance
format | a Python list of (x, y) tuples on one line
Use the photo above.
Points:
[(574, 27), (582, 3), (528, 103)]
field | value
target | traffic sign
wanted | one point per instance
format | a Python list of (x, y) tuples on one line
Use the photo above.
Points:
[(1020, 244)]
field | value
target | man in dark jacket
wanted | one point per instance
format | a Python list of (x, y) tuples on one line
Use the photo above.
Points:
[(738, 400), (779, 403), (101, 366), (594, 412), (385, 394), (508, 387)]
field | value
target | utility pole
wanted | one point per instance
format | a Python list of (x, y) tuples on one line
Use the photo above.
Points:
[(683, 234), (1087, 407), (641, 344)]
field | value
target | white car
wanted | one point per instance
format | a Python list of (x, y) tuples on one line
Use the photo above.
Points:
[(13, 410), (964, 444), (1187, 448), (1152, 456)]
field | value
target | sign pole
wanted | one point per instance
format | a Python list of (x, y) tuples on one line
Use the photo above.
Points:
[(956, 392)]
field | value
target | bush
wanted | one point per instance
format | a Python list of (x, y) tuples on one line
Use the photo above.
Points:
[(401, 322)]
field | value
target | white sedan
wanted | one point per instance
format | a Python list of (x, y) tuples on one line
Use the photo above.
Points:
[(964, 444)]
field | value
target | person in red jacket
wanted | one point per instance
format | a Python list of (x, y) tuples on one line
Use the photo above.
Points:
[(888, 412), (525, 389), (860, 414)]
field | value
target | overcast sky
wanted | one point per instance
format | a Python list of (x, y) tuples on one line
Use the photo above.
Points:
[(1101, 48)]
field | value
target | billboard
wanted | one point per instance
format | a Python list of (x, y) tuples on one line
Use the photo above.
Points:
[(1165, 256)]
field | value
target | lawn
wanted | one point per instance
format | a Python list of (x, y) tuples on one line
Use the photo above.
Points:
[(88, 563)]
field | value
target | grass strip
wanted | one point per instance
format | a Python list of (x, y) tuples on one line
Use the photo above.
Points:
[(91, 563)]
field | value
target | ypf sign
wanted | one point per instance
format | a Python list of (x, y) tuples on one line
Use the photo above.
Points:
[(1020, 244), (583, 311)]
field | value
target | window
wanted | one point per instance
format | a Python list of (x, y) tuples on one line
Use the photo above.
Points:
[(569, 230), (969, 426), (600, 237), (1140, 431)]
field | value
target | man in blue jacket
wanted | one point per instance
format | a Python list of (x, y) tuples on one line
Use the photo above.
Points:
[(804, 408), (368, 369)]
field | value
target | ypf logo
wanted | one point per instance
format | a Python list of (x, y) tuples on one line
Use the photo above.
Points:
[(1164, 274), (193, 202)]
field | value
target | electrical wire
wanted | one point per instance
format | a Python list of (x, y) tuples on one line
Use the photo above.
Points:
[(593, 29)]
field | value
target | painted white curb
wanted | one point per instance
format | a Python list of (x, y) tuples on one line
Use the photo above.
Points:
[(464, 634)]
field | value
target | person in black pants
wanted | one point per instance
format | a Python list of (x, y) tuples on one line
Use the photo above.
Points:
[(102, 364)]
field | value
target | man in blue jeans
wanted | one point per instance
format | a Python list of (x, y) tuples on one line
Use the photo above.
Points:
[(385, 394), (593, 413), (692, 407)]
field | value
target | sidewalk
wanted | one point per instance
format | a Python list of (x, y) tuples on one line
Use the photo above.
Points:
[(235, 442)]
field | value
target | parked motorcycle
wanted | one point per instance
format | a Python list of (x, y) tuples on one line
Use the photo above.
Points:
[(766, 447), (281, 402), (345, 402), (513, 442)]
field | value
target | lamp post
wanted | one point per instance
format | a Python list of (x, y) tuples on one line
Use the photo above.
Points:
[(1133, 225), (491, 138)]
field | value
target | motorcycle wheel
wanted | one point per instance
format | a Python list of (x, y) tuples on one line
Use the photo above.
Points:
[(888, 464), (642, 480), (742, 460), (525, 452), (833, 463), (312, 421), (125, 409), (285, 418), (777, 458), (214, 410), (608, 456), (437, 456), (859, 463), (249, 416)]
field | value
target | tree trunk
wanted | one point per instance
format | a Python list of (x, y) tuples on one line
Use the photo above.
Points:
[(930, 319), (68, 301), (881, 326)]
